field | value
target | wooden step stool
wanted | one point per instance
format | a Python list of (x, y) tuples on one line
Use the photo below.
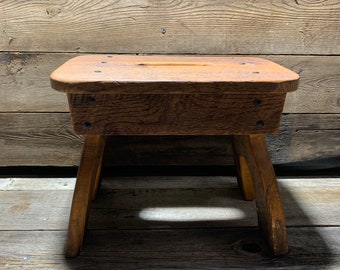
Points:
[(178, 95)]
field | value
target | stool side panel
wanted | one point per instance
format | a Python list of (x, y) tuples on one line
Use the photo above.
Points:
[(176, 114)]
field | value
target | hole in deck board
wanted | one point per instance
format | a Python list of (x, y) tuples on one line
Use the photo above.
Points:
[(256, 72), (97, 71), (191, 214), (251, 247), (109, 56)]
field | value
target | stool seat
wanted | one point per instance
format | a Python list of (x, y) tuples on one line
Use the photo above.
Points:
[(178, 95), (132, 74)]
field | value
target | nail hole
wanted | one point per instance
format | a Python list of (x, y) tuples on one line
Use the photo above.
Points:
[(109, 56), (260, 123), (98, 71), (103, 62), (91, 100), (257, 102), (87, 124), (256, 72), (242, 63)]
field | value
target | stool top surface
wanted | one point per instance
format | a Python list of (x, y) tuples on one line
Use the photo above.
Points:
[(168, 74)]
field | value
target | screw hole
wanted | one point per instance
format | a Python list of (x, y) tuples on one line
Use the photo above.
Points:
[(256, 72), (257, 102), (91, 100), (98, 71), (260, 124), (87, 124), (242, 63), (103, 62), (109, 56)]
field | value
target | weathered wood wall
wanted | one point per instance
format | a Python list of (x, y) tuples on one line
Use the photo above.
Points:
[(37, 36)]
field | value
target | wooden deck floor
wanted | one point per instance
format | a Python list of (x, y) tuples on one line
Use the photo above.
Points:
[(167, 223)]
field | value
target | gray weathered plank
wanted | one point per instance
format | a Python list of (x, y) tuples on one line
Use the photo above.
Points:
[(25, 85), (310, 248), (300, 138), (306, 201), (215, 27), (163, 203), (35, 210), (38, 139), (23, 246), (34, 184)]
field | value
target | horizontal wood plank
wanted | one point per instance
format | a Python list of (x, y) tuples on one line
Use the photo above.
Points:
[(25, 84), (34, 184), (33, 208), (38, 139), (26, 87), (44, 139), (214, 27), (311, 206), (163, 203), (310, 248), (304, 203)]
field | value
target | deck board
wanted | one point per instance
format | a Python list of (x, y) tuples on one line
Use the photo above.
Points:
[(35, 212)]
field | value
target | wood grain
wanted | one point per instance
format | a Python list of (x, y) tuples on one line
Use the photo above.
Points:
[(38, 139), (25, 83), (43, 139), (26, 203), (241, 152), (313, 244), (270, 213), (312, 248), (218, 27), (172, 74), (25, 86), (31, 209), (177, 114), (87, 182)]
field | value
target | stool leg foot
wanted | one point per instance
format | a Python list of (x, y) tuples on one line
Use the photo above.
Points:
[(268, 202), (241, 157), (87, 172)]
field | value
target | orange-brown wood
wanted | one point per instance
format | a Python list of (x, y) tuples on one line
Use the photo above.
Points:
[(241, 149), (268, 202), (178, 95), (198, 114), (98, 178), (88, 171), (132, 74)]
